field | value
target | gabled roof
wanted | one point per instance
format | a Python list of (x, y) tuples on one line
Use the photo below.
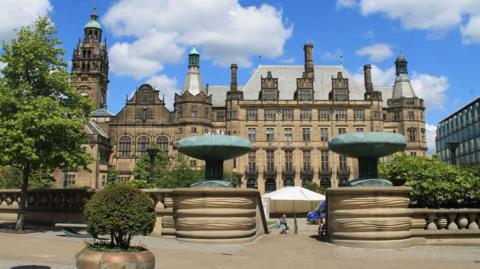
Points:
[(92, 128), (102, 112), (287, 81)]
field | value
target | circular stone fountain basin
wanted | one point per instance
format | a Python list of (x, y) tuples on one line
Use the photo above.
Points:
[(214, 147), (368, 145)]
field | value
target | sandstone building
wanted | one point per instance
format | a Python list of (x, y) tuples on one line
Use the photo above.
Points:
[(289, 112)]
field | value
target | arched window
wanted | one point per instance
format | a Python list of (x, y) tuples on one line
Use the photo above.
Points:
[(306, 181), (252, 183), (142, 144), (124, 145), (288, 182), (162, 143), (270, 185)]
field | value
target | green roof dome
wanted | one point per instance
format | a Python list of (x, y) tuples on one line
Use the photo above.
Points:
[(93, 24)]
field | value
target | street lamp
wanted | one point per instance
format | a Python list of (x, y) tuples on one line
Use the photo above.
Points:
[(152, 151)]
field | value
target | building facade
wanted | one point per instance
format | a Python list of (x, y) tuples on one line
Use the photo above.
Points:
[(289, 113), (458, 136)]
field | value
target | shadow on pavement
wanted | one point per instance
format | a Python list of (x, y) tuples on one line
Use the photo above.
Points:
[(8, 227), (30, 267)]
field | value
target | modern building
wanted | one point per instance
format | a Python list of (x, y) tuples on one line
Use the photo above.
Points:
[(458, 136), (289, 112)]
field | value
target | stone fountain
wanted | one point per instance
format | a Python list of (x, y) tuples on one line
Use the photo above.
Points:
[(370, 212), (212, 210), (214, 150), (368, 148)]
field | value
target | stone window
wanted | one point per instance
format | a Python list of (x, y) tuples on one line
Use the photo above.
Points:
[(359, 130), (359, 114), (288, 182), (376, 114), (270, 185), (397, 116), (413, 153), (341, 114), (179, 130), (288, 134), (194, 111), (193, 163), (411, 115), (287, 114), (306, 134), (305, 114), (324, 160), (412, 134), (142, 144), (342, 131), (324, 114), (270, 114), (270, 160), (424, 137), (252, 114), (69, 180), (252, 183), (324, 134), (162, 143), (252, 134), (307, 160), (124, 146), (270, 134), (179, 111), (207, 113), (341, 95), (220, 115), (193, 130), (252, 161), (288, 160)]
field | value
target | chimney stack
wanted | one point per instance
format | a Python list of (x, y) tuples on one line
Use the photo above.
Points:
[(367, 76), (233, 77), (308, 50)]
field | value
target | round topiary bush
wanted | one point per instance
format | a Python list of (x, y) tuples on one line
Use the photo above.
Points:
[(120, 211)]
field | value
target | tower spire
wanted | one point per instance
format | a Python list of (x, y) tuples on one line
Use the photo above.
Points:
[(94, 15)]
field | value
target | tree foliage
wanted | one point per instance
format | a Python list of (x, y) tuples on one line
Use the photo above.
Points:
[(314, 187), (11, 178), (41, 114), (169, 172), (120, 211), (435, 184)]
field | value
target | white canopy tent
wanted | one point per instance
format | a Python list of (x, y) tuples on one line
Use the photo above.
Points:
[(292, 200)]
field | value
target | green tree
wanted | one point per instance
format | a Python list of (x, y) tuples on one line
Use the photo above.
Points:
[(41, 114), (11, 178), (435, 183), (168, 172), (314, 187)]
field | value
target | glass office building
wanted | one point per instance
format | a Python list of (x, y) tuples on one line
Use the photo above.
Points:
[(458, 136)]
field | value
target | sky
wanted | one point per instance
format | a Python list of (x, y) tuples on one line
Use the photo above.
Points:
[(149, 41)]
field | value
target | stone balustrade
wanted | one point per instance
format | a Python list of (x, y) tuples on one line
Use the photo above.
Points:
[(208, 214)]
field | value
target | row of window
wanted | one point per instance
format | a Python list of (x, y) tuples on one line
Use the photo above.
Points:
[(125, 144), (288, 134), (194, 112), (462, 119), (271, 184), (288, 161), (272, 114)]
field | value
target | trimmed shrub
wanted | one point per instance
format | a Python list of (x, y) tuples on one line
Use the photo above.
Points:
[(122, 212)]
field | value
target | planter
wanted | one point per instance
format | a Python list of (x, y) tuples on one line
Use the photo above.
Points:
[(88, 259)]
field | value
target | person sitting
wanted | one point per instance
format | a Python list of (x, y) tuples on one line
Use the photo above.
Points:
[(322, 226), (283, 224)]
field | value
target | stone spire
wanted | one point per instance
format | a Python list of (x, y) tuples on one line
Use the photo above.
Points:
[(402, 86), (193, 82)]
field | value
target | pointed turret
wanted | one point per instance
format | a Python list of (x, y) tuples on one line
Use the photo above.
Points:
[(193, 82), (402, 86)]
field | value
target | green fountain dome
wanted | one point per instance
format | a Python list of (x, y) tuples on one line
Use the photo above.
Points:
[(214, 147), (93, 24), (365, 145)]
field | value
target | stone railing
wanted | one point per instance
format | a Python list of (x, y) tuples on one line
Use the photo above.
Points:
[(175, 216)]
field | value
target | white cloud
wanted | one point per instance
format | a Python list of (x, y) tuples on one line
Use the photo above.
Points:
[(471, 31), (376, 52), (17, 13), (380, 77), (167, 87), (431, 130), (431, 88), (431, 15), (225, 31), (333, 55)]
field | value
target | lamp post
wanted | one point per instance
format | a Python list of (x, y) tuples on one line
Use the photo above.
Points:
[(152, 151)]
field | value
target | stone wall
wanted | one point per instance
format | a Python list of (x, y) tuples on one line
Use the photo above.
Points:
[(379, 217)]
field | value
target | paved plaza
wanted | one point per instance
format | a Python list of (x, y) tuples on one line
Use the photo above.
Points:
[(51, 250)]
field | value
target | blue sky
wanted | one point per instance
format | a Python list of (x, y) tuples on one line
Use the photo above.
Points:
[(149, 40)]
